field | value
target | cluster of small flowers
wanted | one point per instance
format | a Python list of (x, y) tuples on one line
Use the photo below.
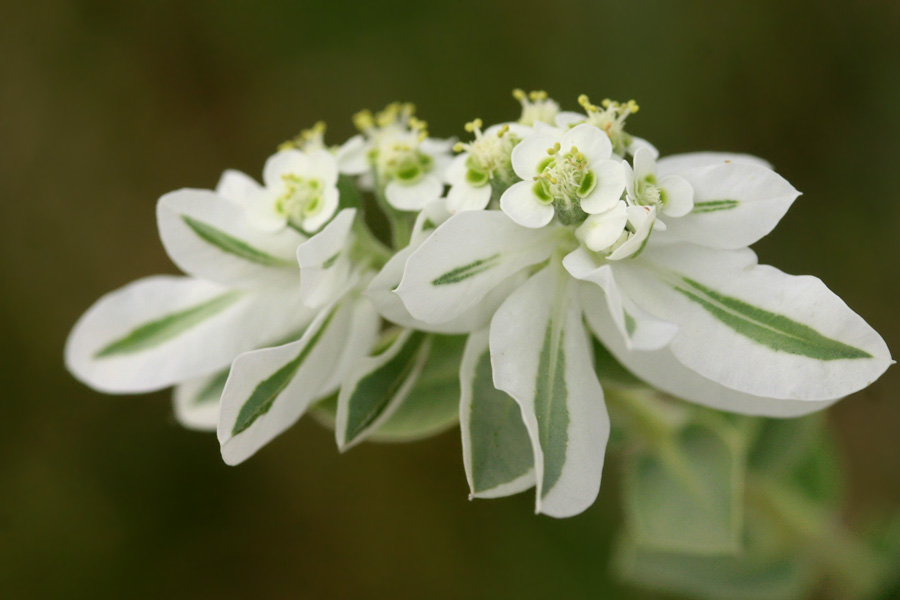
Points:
[(509, 265)]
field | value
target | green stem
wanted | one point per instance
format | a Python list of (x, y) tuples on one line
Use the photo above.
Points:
[(856, 570), (400, 224), (371, 246)]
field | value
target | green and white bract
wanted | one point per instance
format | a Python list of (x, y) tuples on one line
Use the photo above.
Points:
[(561, 239)]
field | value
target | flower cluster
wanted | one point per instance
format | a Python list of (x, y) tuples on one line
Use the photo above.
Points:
[(509, 269)]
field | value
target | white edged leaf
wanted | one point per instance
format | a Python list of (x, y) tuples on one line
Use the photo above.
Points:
[(465, 258), (324, 260), (212, 238), (376, 387), (735, 205), (497, 453), (269, 390), (163, 330), (640, 330), (432, 406), (686, 493), (541, 356), (753, 328)]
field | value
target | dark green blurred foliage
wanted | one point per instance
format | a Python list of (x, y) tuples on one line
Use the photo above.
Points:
[(107, 105)]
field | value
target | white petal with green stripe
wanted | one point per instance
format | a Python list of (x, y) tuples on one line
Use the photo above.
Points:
[(163, 330), (640, 330), (465, 258), (753, 328), (663, 371), (324, 261), (379, 384), (268, 390), (497, 453), (735, 205), (381, 293), (210, 237), (196, 402), (541, 357)]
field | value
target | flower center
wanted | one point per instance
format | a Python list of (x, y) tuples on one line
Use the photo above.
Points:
[(563, 180), (489, 155), (647, 192), (611, 119), (395, 134), (301, 199)]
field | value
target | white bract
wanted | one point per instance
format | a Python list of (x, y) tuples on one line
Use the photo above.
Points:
[(685, 306), (560, 233), (241, 293)]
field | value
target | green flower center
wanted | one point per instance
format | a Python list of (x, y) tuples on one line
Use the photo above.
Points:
[(302, 198)]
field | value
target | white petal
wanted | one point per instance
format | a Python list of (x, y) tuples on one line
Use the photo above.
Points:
[(253, 411), (330, 201), (639, 329), (463, 197), (520, 204), (599, 232), (644, 164), (530, 152), (568, 119), (352, 156), (196, 402), (663, 371), (211, 238), (324, 270), (590, 141), (610, 176), (281, 163), (457, 169), (236, 186), (676, 163), (413, 196), (261, 213), (643, 220), (638, 143), (541, 357), (435, 146), (164, 330), (465, 258), (679, 196), (320, 164), (734, 205), (753, 328)]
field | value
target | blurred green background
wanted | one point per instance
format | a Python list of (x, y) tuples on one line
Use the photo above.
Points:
[(108, 105)]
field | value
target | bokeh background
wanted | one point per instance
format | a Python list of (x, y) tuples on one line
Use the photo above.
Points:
[(108, 105)]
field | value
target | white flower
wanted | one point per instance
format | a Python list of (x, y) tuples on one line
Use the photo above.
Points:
[(483, 165), (671, 193), (350, 155), (568, 175), (688, 310), (403, 161), (300, 191)]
